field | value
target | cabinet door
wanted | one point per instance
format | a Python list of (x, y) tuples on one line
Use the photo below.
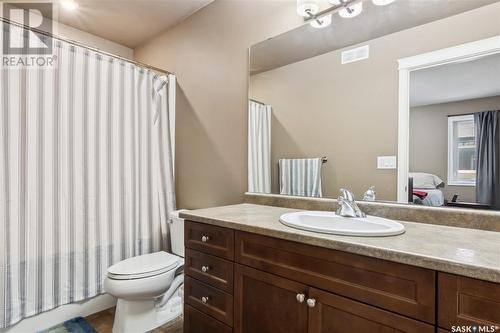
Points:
[(266, 303), (329, 313), (467, 302)]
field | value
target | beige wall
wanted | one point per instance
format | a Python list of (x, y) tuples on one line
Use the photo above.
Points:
[(349, 112), (209, 54), (429, 139), (317, 112)]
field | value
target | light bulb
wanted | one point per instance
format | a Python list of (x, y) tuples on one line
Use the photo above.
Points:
[(306, 8), (322, 22), (351, 11), (382, 2), (69, 4)]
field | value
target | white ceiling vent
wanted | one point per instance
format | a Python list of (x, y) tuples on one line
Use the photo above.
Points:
[(356, 54)]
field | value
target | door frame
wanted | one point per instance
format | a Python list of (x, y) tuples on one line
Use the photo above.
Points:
[(459, 53)]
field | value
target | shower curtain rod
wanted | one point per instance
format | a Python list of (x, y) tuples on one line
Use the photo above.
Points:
[(256, 101), (72, 42)]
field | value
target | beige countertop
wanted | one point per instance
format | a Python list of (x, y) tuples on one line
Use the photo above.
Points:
[(467, 252)]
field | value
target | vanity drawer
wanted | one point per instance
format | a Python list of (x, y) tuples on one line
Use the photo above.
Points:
[(209, 239), (209, 269), (464, 301), (198, 322), (209, 300), (403, 289)]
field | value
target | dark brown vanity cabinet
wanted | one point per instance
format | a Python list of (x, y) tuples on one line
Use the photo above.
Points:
[(468, 302), (403, 289), (247, 283), (208, 285), (268, 303)]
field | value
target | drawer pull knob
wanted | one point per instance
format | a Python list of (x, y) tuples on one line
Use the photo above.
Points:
[(205, 268), (300, 298), (311, 302), (205, 239), (204, 299)]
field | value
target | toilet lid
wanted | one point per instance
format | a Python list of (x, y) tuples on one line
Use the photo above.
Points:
[(142, 266)]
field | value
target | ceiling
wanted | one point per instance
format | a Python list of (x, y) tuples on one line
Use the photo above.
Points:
[(456, 82), (128, 22), (375, 21)]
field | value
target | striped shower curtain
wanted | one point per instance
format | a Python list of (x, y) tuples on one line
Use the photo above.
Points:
[(259, 147), (85, 176)]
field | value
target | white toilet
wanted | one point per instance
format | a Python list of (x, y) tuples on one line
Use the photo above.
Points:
[(149, 287)]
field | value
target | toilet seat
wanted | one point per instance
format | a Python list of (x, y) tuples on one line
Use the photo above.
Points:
[(143, 266)]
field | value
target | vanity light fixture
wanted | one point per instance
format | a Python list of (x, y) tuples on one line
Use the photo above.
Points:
[(322, 22), (311, 10), (351, 11), (382, 2), (69, 4), (307, 8)]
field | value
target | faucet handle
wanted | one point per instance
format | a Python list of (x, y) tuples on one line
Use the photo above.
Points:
[(347, 206), (370, 194), (346, 195)]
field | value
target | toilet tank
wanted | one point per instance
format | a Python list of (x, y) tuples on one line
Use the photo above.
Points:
[(177, 233)]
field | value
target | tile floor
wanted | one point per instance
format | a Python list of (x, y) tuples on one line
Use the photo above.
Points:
[(103, 323)]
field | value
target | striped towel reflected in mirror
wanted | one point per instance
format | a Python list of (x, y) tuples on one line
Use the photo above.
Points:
[(301, 177)]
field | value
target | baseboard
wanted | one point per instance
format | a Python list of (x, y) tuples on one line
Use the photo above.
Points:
[(53, 317)]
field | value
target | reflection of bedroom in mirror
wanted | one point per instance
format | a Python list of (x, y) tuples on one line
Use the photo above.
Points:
[(454, 134)]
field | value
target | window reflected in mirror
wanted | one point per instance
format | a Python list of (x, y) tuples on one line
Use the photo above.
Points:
[(462, 150)]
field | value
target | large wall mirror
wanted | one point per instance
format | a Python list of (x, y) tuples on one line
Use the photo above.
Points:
[(393, 100)]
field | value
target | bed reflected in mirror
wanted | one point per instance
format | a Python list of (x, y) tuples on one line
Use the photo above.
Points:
[(454, 135)]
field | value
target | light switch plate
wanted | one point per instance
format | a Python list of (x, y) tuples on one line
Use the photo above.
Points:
[(386, 162)]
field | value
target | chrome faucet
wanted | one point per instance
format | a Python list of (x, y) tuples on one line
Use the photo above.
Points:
[(370, 194), (347, 205)]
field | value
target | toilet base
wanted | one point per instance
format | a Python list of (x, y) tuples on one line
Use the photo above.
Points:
[(143, 315)]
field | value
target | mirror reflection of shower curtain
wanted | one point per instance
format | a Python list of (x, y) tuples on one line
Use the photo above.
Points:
[(85, 176), (259, 147)]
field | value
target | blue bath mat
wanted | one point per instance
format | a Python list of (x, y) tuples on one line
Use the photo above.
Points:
[(75, 325)]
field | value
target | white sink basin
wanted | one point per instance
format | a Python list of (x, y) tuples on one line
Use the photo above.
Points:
[(330, 223)]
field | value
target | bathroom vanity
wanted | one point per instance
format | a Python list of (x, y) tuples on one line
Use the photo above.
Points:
[(246, 272)]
